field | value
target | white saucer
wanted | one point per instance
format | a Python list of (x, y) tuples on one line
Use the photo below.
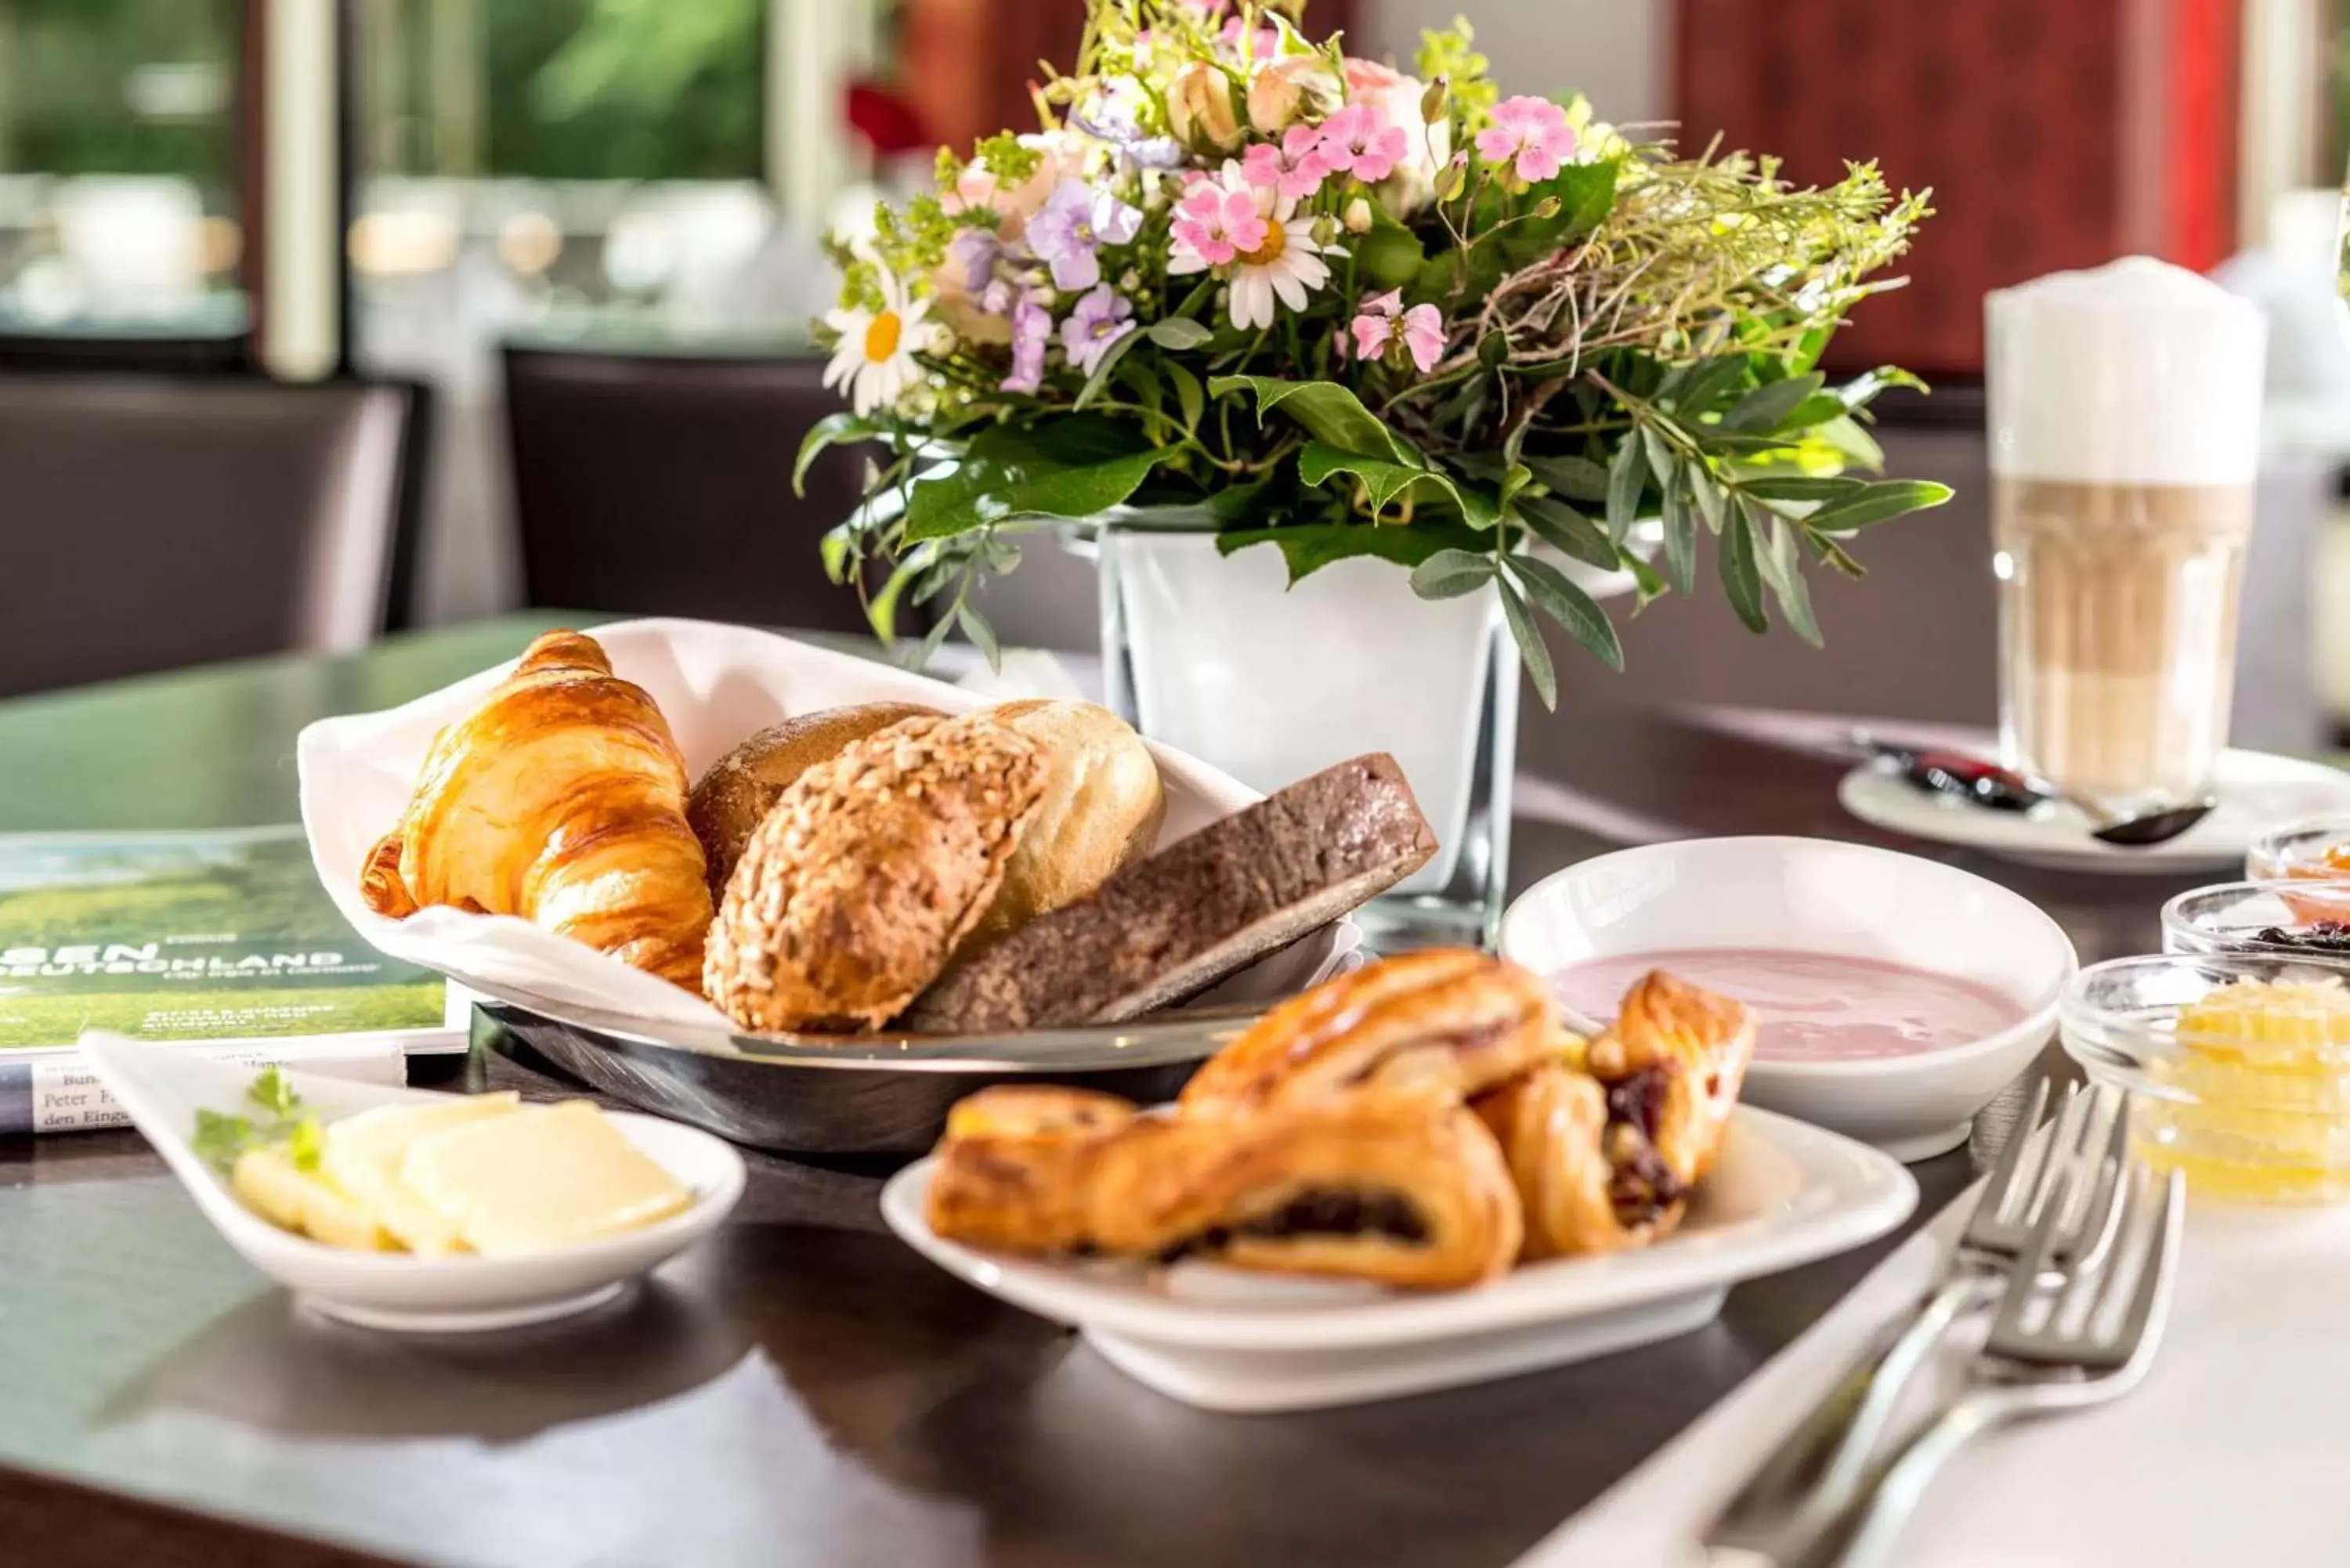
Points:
[(163, 1089), (1784, 1193), (2257, 791)]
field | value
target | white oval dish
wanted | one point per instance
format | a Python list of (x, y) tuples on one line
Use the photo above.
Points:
[(1819, 896), (163, 1089), (2256, 789), (1783, 1194)]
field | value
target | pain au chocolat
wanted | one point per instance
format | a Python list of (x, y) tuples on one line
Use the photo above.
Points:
[(1399, 1186)]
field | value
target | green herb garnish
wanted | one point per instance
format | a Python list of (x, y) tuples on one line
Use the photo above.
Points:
[(220, 1138)]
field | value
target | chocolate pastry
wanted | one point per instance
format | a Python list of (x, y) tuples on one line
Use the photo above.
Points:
[(1447, 1017), (1396, 1186), (1605, 1139)]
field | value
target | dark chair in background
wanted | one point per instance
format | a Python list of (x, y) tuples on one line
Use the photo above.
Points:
[(149, 522), (661, 483), (208, 353)]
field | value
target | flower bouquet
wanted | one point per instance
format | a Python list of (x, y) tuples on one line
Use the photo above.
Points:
[(1241, 280)]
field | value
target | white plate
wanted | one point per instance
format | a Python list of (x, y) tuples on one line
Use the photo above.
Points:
[(163, 1088), (2257, 791), (1822, 895), (1783, 1194)]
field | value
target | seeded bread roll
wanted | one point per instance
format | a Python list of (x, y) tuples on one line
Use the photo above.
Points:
[(853, 892), (1102, 807), (741, 787), (1170, 927)]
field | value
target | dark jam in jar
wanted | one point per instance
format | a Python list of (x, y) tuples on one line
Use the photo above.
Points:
[(2329, 937)]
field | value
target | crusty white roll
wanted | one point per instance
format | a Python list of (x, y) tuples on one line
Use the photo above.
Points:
[(1102, 807), (741, 787)]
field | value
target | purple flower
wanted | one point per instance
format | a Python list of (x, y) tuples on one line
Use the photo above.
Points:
[(1099, 320), (1032, 330), (975, 252), (1135, 151), (1075, 220)]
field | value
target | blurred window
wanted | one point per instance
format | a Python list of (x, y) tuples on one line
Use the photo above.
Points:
[(119, 207)]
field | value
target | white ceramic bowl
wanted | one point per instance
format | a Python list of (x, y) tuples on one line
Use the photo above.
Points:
[(1818, 896), (163, 1088)]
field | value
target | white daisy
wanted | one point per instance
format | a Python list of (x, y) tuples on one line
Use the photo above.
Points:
[(1286, 263), (875, 356)]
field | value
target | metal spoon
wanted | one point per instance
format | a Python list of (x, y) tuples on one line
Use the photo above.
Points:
[(1986, 784)]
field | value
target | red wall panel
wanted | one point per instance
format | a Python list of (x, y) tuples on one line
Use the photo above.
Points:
[(2056, 133)]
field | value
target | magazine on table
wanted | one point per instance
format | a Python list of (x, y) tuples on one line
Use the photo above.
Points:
[(221, 940)]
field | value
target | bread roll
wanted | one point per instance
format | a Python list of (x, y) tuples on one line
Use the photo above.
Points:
[(854, 891), (1102, 807), (735, 795)]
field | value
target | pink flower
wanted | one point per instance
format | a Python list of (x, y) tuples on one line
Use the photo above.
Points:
[(1382, 323), (1356, 140), (1533, 131), (1261, 45), (1294, 168), (1216, 219)]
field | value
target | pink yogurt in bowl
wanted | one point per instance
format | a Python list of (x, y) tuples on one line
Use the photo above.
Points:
[(1893, 996)]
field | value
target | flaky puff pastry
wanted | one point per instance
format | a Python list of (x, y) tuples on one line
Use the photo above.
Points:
[(560, 799), (1447, 1018), (1395, 1186), (1606, 1138)]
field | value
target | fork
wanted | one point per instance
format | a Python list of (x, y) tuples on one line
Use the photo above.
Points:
[(2085, 1340), (1837, 1439)]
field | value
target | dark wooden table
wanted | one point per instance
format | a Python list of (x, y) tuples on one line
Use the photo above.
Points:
[(804, 1389)]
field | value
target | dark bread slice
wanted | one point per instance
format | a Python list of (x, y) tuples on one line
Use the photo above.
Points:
[(1171, 926)]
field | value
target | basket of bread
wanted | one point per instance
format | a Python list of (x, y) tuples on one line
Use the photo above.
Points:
[(807, 899)]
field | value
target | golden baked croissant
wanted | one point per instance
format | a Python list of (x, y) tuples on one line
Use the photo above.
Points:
[(1606, 1138), (1396, 1186), (1445, 1017), (560, 799)]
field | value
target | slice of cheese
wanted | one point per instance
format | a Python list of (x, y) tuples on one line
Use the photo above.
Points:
[(544, 1177), (364, 1154), (271, 1185)]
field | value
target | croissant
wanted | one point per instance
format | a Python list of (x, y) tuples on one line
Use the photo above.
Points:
[(1445, 1017), (1396, 1186), (560, 799), (1605, 1138)]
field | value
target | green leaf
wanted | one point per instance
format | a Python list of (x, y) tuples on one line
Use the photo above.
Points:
[(1576, 478), (1555, 595), (1079, 466), (1650, 586), (1706, 490), (1858, 446), (1328, 411), (1624, 477), (1584, 193), (1863, 389), (830, 431), (1782, 570), (1178, 333), (306, 1146), (1739, 574), (1704, 385), (1517, 479), (1568, 531), (1662, 460), (1799, 487), (1190, 395), (219, 1139), (881, 610), (1320, 462), (975, 626), (1530, 649), (1876, 503), (271, 1092), (1680, 541), (1449, 574), (1766, 406), (1310, 546), (1104, 369)]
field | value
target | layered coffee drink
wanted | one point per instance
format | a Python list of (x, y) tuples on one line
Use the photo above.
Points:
[(2118, 617), (2124, 409)]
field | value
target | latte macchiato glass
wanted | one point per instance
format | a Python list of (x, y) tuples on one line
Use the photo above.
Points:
[(2125, 427)]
